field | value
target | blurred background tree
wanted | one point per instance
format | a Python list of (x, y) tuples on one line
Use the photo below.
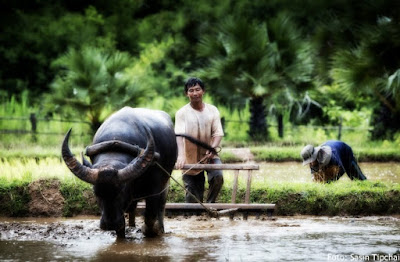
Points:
[(371, 69), (294, 61), (93, 82), (267, 63)]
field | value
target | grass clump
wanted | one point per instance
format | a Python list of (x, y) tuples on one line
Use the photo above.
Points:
[(79, 199), (14, 198), (339, 198)]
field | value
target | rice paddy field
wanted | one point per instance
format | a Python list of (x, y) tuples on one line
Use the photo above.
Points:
[(281, 181), (26, 158)]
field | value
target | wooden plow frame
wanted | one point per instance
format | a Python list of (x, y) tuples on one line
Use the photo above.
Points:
[(230, 208)]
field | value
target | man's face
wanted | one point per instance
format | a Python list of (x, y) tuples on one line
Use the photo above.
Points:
[(195, 93)]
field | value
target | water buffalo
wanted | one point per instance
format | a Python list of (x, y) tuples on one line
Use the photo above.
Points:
[(122, 172)]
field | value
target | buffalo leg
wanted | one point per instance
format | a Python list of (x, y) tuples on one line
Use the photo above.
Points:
[(150, 217), (120, 233), (161, 211), (154, 216), (132, 214), (132, 217)]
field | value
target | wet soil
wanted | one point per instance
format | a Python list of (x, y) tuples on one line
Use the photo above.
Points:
[(46, 198), (300, 238)]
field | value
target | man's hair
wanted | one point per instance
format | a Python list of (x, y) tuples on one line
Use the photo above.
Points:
[(192, 82)]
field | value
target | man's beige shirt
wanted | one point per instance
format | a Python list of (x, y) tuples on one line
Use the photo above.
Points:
[(203, 125)]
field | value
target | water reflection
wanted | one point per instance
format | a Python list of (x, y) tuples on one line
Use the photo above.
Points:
[(203, 239)]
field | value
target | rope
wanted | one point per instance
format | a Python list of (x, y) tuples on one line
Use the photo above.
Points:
[(212, 212)]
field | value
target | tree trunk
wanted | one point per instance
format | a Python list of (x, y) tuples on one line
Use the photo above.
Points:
[(95, 124), (258, 124), (385, 123), (280, 125)]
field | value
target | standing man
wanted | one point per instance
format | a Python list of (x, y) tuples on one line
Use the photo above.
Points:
[(201, 121), (330, 161)]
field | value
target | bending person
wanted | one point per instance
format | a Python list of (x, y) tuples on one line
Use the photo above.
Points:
[(329, 161)]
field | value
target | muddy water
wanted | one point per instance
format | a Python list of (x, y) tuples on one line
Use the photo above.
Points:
[(204, 239), (295, 172)]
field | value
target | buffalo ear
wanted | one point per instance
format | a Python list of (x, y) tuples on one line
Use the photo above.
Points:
[(85, 162)]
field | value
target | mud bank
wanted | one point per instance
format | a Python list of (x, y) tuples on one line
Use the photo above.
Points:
[(51, 198)]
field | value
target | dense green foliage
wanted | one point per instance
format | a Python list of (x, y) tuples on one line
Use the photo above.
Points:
[(268, 63), (299, 61), (91, 79)]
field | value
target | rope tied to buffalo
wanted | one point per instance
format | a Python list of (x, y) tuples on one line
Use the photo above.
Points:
[(211, 211)]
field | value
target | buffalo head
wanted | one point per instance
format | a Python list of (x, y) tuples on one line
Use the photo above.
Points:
[(109, 180)]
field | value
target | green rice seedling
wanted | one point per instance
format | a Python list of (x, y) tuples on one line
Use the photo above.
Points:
[(276, 153), (31, 169)]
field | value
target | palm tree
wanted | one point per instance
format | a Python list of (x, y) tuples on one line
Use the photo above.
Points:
[(371, 70), (91, 81), (250, 61)]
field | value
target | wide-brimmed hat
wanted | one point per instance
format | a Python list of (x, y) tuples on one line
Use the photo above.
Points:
[(321, 153), (309, 154)]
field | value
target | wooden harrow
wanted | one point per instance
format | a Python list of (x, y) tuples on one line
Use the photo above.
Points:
[(222, 208)]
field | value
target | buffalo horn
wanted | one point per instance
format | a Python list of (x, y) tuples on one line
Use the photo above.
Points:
[(140, 163), (82, 172)]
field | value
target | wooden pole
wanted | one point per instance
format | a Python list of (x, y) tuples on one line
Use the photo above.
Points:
[(221, 167), (235, 186), (33, 120), (247, 197), (236, 168), (194, 206)]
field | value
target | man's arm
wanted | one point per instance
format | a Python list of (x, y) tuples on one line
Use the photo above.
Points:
[(180, 128), (181, 153), (216, 140)]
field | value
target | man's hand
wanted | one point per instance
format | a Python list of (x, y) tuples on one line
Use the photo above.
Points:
[(180, 162), (215, 145), (181, 154), (209, 155)]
